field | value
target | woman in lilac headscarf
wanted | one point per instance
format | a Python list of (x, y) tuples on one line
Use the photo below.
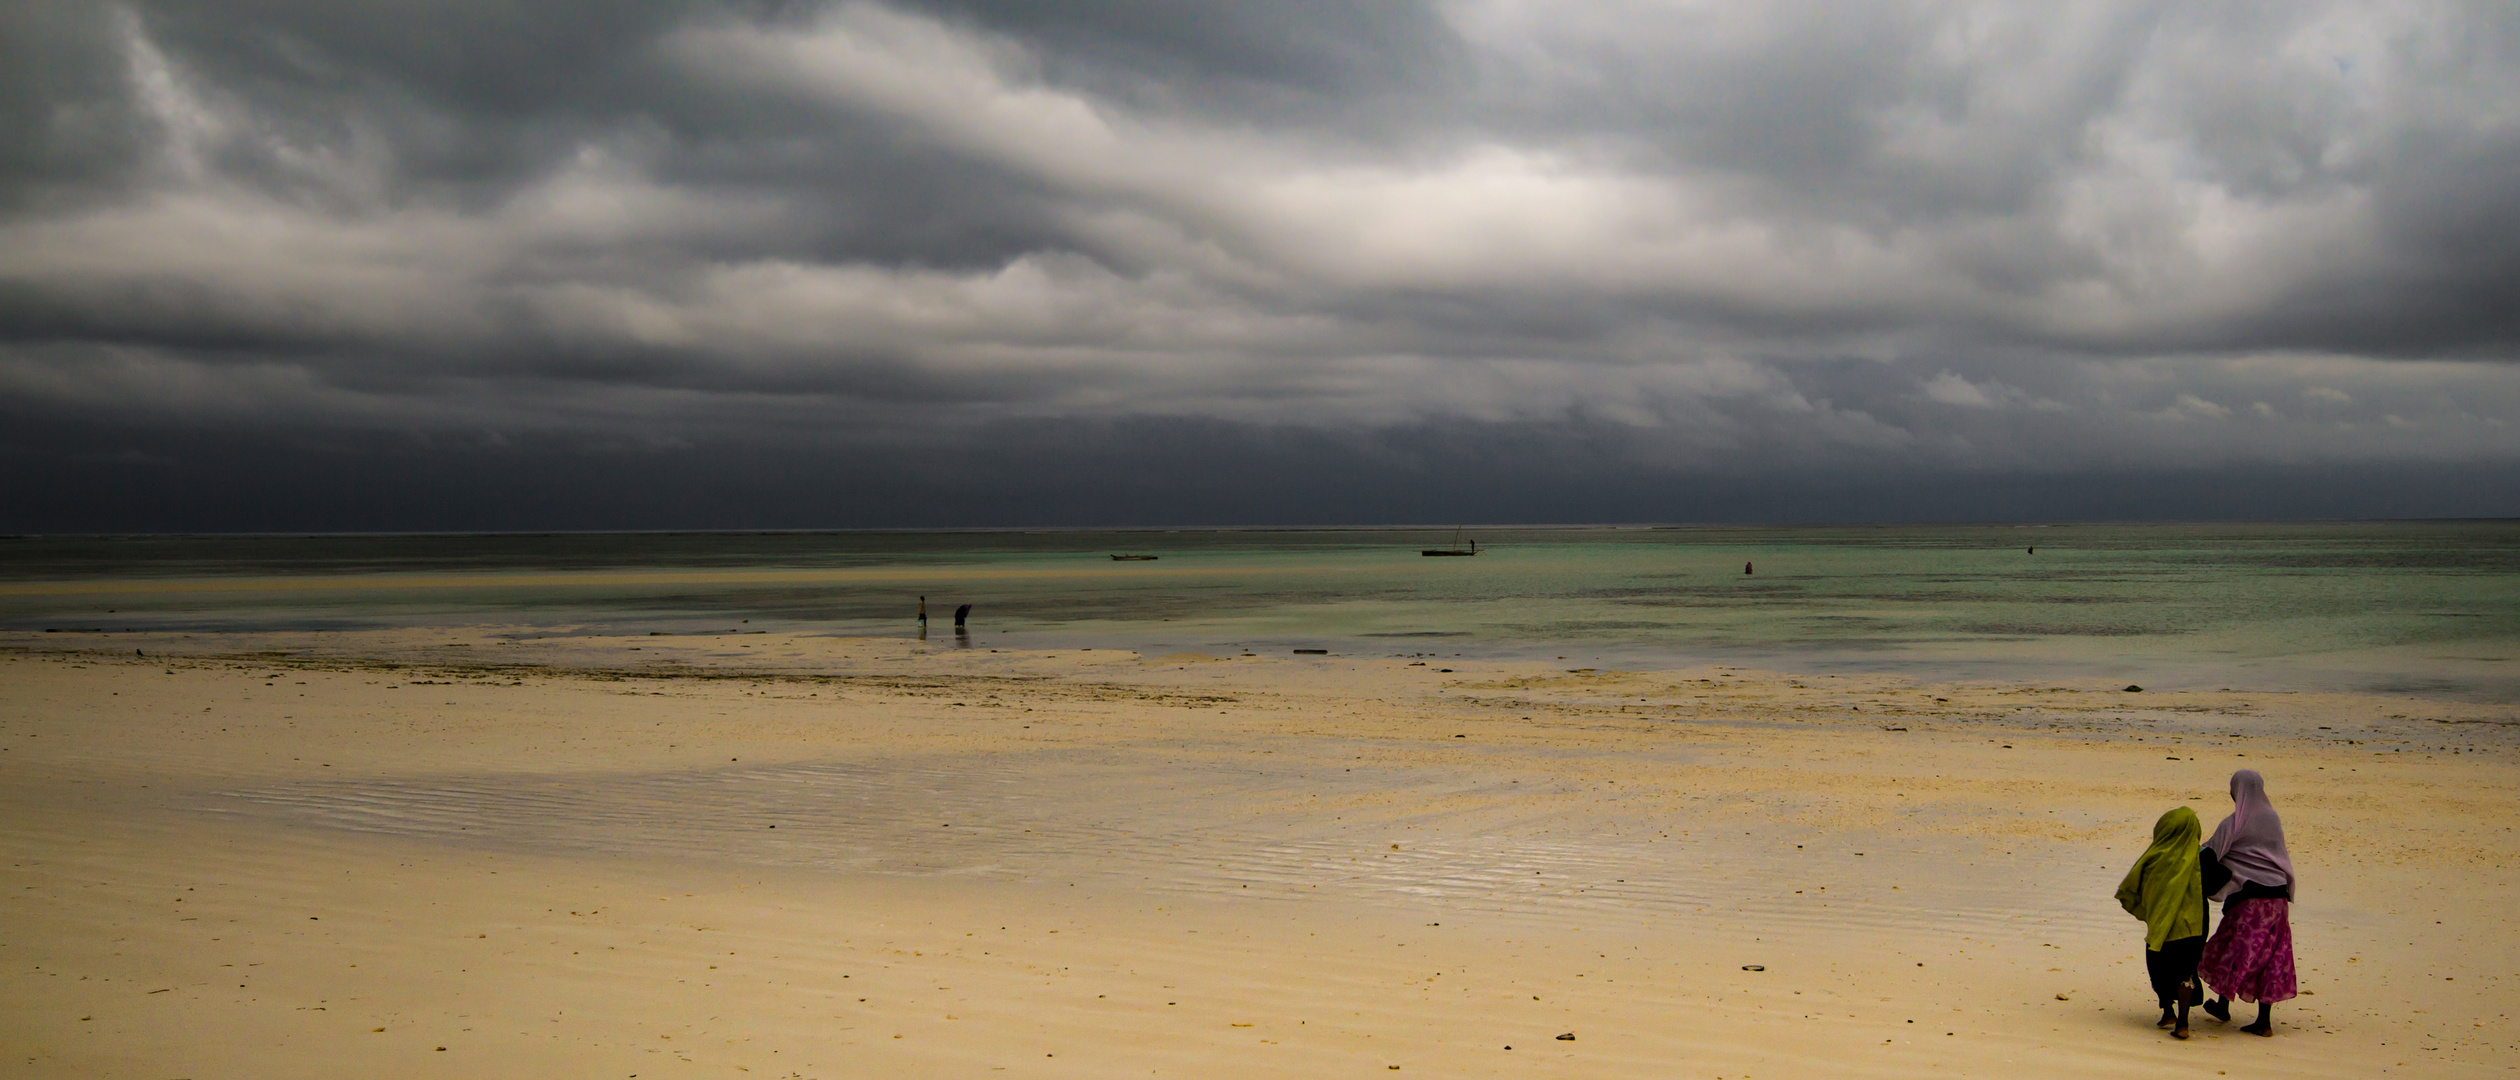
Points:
[(2247, 868)]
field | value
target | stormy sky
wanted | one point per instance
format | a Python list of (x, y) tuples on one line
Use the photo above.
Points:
[(457, 264)]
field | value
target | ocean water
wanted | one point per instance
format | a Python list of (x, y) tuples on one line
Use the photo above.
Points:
[(2430, 608)]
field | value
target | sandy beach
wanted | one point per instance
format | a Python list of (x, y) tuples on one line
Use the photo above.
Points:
[(449, 853)]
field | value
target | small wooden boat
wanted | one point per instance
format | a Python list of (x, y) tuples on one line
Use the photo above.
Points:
[(1456, 549), (1134, 558)]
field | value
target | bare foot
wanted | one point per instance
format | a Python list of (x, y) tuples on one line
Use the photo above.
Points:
[(2167, 1019), (2219, 1010), (2179, 1032), (2261, 1028)]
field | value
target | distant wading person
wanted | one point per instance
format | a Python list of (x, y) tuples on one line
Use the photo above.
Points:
[(2246, 867), (2166, 889)]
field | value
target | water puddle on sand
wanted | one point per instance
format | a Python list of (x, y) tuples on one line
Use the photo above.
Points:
[(1434, 839)]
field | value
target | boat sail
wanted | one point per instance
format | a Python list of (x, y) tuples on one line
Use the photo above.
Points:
[(1455, 549)]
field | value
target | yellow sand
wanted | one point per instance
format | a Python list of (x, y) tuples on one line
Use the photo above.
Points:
[(439, 854)]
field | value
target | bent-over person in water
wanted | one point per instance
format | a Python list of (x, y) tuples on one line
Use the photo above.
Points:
[(2166, 889), (2247, 867)]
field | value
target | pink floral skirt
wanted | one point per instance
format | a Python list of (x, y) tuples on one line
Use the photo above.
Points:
[(2251, 954)]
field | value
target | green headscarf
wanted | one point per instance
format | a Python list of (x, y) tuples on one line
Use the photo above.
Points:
[(2166, 889)]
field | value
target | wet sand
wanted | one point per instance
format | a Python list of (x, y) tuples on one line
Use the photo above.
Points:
[(820, 857)]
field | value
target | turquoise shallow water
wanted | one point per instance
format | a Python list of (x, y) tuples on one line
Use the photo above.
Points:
[(2411, 607)]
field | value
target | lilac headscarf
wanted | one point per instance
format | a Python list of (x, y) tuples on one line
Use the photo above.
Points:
[(2250, 842)]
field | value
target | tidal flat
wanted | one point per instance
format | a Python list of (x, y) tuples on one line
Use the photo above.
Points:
[(447, 851)]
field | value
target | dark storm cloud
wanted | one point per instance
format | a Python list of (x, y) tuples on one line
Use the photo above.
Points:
[(1330, 54), (1935, 241)]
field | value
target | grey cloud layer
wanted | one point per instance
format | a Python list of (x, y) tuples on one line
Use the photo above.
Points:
[(1965, 237)]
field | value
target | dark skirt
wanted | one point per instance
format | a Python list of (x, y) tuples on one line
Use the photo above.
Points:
[(2173, 966), (2251, 955)]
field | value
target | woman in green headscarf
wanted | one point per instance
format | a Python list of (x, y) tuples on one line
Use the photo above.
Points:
[(2166, 889)]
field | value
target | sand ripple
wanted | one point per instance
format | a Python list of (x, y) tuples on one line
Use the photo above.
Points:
[(1431, 839)]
